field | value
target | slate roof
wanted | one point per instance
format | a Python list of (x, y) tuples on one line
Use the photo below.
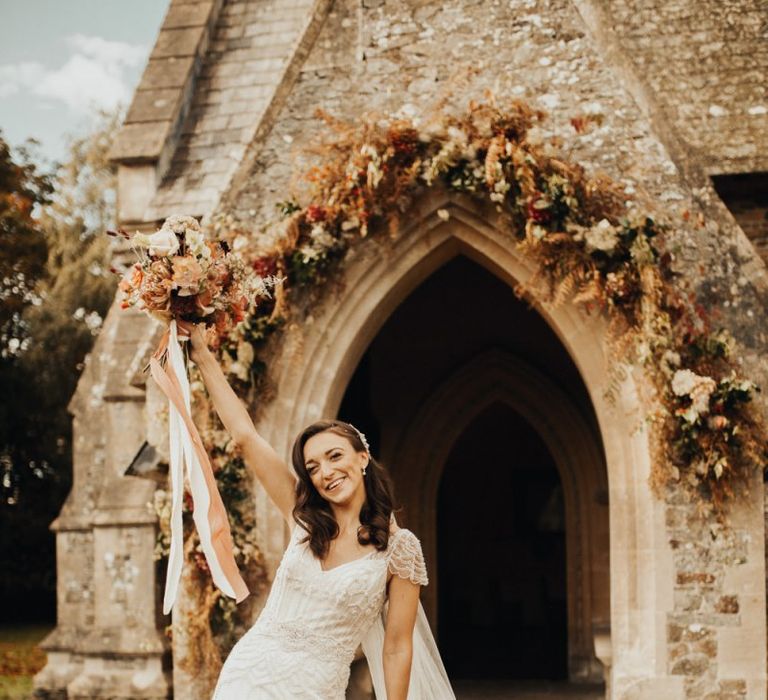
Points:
[(210, 77)]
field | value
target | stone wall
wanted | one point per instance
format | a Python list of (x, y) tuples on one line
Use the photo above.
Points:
[(108, 641), (705, 64), (706, 600)]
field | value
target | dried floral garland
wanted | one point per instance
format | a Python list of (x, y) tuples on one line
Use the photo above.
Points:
[(592, 248)]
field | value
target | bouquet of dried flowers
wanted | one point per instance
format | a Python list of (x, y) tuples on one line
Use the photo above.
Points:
[(181, 275)]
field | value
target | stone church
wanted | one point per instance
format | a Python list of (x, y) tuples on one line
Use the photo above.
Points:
[(550, 558)]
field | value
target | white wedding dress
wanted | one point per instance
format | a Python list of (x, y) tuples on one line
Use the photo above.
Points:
[(305, 639)]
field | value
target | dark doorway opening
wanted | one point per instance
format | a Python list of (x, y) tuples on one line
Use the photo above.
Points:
[(501, 554)]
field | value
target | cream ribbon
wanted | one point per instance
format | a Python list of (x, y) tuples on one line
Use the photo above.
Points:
[(186, 448)]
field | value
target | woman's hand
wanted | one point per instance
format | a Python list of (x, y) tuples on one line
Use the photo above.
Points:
[(197, 336)]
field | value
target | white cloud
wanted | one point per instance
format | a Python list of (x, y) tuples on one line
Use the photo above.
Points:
[(14, 77), (98, 75), (108, 52)]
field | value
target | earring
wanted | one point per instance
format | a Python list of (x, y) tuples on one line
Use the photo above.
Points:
[(364, 469)]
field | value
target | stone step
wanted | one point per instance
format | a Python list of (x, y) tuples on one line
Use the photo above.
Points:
[(526, 690)]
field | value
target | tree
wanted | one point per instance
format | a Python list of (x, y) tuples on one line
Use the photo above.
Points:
[(77, 288), (23, 248), (55, 329)]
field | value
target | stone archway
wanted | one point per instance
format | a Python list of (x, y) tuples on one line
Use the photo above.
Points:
[(496, 376), (317, 363)]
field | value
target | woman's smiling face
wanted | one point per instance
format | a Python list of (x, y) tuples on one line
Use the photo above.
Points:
[(334, 466)]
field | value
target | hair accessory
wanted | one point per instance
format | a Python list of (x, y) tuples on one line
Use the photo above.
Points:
[(362, 439)]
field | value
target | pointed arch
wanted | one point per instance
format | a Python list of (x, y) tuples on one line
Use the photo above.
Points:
[(319, 357), (497, 376)]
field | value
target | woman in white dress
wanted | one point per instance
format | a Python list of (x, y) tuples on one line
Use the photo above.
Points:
[(349, 575)]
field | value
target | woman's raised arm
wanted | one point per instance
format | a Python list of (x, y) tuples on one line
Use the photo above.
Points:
[(261, 459)]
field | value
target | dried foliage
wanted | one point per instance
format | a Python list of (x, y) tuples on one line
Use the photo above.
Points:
[(591, 248)]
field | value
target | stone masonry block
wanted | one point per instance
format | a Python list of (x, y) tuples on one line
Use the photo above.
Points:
[(153, 105), (169, 72), (178, 42), (188, 15), (692, 665), (140, 142)]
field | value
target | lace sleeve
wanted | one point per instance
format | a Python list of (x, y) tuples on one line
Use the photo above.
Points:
[(405, 558)]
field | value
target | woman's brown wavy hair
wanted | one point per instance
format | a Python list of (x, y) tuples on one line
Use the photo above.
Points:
[(314, 513)]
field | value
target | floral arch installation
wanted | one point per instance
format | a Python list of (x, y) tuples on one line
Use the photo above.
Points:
[(313, 385), (575, 248), (588, 246)]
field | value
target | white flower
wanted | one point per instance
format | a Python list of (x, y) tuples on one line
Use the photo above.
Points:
[(671, 358), (93, 321), (308, 253), (698, 388), (720, 466), (195, 242), (181, 224), (240, 243), (602, 237), (457, 134), (321, 238), (701, 394), (261, 286), (538, 232), (683, 382), (239, 370), (163, 242)]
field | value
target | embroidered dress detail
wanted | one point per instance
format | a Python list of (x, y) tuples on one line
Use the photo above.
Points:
[(405, 558), (305, 639)]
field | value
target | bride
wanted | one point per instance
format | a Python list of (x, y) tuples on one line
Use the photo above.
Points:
[(349, 576)]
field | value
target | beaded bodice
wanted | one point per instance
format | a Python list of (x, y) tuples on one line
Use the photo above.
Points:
[(314, 620)]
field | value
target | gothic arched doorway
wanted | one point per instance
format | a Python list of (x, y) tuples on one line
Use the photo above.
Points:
[(502, 602), (432, 315), (443, 366)]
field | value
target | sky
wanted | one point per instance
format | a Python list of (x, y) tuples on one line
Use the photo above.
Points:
[(63, 60)]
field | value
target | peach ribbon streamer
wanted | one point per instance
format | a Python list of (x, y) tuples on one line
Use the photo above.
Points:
[(186, 447)]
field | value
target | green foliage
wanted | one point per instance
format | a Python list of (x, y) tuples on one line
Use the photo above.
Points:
[(288, 207), (72, 296), (72, 291), (305, 270), (23, 248)]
